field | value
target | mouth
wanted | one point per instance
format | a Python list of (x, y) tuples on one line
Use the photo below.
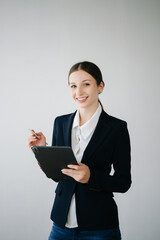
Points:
[(81, 99)]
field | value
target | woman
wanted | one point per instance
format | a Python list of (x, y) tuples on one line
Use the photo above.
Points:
[(84, 207)]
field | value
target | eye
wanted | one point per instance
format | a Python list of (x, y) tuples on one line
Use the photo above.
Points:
[(86, 84), (73, 86)]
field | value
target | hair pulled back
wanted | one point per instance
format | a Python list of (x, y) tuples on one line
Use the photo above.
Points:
[(90, 68)]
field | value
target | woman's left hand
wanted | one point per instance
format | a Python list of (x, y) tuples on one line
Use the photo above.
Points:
[(80, 172)]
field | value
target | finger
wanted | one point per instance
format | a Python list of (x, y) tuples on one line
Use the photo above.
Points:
[(73, 172), (77, 175), (68, 172), (32, 139), (73, 166), (39, 133), (80, 164), (32, 142), (32, 135), (41, 136)]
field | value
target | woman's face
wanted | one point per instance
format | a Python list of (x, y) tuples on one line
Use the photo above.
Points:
[(84, 89)]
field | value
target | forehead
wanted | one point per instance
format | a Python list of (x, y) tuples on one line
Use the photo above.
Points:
[(80, 76)]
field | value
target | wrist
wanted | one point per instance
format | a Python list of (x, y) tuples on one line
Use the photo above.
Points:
[(88, 175)]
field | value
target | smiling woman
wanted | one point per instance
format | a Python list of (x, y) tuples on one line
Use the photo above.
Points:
[(84, 207)]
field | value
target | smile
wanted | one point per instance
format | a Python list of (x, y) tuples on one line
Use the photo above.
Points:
[(82, 99)]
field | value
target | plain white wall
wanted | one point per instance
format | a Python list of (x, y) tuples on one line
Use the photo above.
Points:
[(39, 41)]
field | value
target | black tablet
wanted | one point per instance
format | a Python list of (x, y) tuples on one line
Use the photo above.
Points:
[(53, 159)]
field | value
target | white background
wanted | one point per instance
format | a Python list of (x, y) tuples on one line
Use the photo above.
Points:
[(39, 41)]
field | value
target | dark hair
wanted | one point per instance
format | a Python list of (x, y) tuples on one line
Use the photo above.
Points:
[(90, 68)]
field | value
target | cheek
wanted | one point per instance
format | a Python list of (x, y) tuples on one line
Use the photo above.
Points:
[(94, 91), (72, 93)]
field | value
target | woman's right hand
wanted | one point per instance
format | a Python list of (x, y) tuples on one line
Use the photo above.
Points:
[(34, 141)]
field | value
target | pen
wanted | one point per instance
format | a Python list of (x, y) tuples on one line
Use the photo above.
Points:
[(36, 135)]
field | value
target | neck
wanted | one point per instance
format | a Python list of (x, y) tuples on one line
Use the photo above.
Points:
[(86, 113)]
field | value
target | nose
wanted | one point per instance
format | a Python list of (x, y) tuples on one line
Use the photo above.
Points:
[(78, 91)]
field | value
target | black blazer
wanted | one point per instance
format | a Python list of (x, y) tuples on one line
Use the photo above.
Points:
[(109, 145)]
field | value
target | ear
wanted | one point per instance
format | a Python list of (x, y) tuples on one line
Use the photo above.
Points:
[(101, 87)]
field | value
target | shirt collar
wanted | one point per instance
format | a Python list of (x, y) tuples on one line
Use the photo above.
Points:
[(76, 120), (90, 125)]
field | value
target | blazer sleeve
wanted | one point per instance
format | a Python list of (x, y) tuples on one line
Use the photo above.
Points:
[(54, 142), (120, 181), (54, 134)]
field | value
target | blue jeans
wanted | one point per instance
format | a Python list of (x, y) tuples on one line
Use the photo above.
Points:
[(58, 233)]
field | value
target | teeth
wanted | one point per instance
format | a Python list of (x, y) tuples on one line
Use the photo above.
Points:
[(81, 98)]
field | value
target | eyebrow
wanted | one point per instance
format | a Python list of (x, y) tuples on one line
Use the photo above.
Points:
[(82, 81)]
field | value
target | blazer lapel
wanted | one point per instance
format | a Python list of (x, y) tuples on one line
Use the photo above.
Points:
[(102, 129), (67, 129)]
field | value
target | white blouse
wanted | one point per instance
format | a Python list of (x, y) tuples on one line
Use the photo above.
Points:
[(80, 139)]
